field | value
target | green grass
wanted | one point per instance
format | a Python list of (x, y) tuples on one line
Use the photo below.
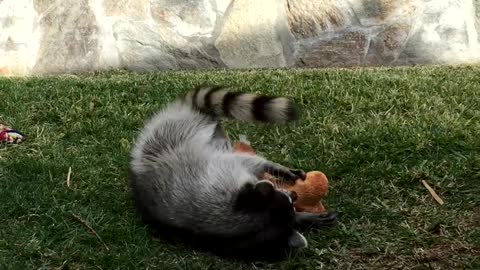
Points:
[(376, 133)]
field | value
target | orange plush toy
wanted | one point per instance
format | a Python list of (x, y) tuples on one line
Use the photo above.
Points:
[(310, 191)]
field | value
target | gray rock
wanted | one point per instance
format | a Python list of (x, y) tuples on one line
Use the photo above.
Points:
[(342, 49), (69, 40), (388, 32), (444, 33), (385, 47), (143, 48), (186, 17)]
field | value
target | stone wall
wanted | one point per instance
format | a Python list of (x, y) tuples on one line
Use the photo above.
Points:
[(64, 36)]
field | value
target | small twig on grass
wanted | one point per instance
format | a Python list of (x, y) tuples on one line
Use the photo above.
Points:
[(433, 193), (84, 223), (68, 177)]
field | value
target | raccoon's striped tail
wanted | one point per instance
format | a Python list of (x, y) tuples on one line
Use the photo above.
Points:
[(223, 102)]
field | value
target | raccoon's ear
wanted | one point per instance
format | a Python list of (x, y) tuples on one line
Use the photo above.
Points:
[(255, 196)]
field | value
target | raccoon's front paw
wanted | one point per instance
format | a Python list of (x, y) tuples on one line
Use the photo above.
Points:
[(292, 175), (298, 174), (313, 220), (327, 219)]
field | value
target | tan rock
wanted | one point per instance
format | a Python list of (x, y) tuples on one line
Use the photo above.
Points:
[(309, 18), (133, 9), (249, 36), (42, 5), (378, 12), (381, 9), (5, 71)]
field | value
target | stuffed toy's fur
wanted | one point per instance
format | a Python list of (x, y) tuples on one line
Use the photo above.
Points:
[(309, 192)]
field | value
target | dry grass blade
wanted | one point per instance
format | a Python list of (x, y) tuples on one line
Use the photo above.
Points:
[(432, 192), (68, 177), (84, 223)]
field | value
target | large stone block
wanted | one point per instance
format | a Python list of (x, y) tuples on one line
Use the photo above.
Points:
[(221, 6), (19, 38), (386, 46), (133, 9), (381, 12), (249, 36), (443, 33), (476, 7), (188, 18), (69, 37), (142, 47), (308, 18), (64, 36), (341, 50), (402, 32)]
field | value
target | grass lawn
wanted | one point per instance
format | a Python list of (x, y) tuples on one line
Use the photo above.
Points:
[(376, 133)]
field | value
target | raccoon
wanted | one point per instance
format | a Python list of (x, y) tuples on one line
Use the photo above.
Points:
[(187, 182)]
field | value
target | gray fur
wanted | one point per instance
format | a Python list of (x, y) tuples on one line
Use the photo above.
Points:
[(185, 175)]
